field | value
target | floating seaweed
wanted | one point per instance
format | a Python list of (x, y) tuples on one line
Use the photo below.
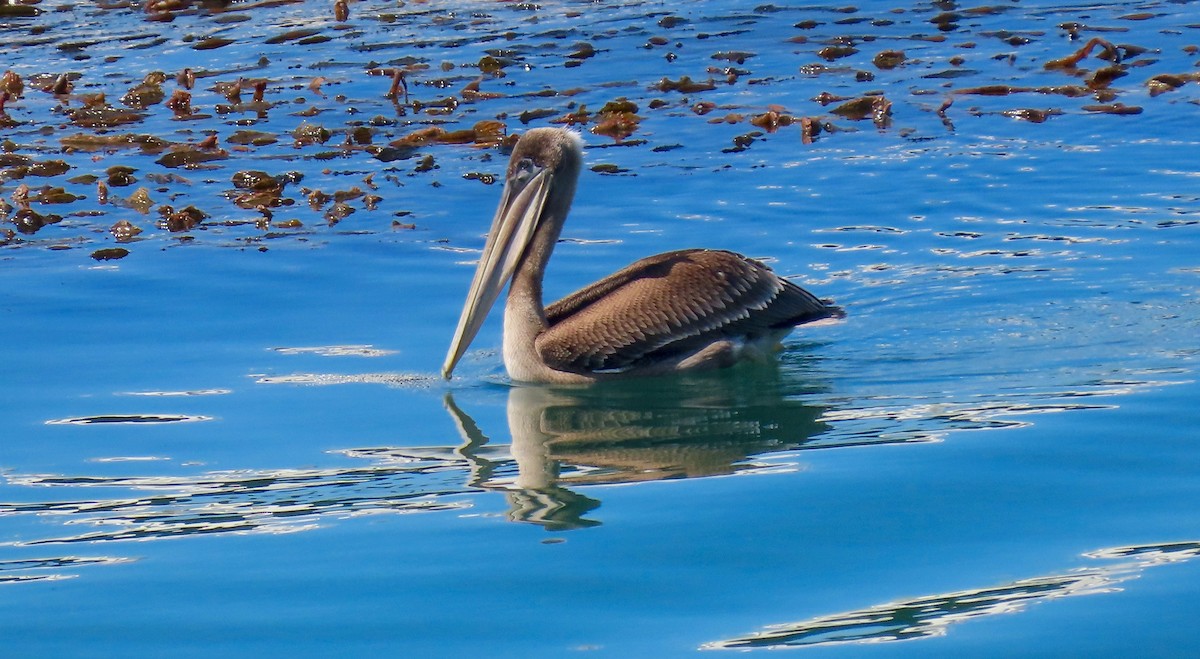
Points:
[(1109, 52), (29, 221), (110, 253), (470, 80), (184, 219), (888, 59), (148, 92), (1165, 82), (617, 119), (772, 120), (1032, 115), (124, 231), (190, 157), (685, 85)]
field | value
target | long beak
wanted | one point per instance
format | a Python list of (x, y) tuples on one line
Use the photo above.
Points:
[(512, 230)]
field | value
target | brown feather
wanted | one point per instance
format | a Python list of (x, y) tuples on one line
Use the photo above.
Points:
[(671, 304)]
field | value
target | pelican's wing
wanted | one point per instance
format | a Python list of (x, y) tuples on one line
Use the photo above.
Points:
[(668, 304)]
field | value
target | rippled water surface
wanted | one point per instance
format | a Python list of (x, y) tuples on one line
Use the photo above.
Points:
[(225, 296)]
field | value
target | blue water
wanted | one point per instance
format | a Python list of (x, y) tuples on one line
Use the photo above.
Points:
[(233, 441)]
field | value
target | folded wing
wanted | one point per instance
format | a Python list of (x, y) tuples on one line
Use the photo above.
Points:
[(671, 304)]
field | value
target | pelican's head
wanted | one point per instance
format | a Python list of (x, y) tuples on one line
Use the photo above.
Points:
[(538, 187)]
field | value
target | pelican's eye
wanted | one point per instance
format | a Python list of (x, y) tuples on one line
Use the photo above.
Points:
[(524, 170)]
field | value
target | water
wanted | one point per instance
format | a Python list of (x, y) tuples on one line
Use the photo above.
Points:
[(232, 440)]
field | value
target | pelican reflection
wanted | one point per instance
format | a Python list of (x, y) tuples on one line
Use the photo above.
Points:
[(564, 438)]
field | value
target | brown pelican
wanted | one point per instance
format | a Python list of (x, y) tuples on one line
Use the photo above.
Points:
[(679, 311)]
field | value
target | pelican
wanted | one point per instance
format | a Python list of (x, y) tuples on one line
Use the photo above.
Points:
[(686, 310)]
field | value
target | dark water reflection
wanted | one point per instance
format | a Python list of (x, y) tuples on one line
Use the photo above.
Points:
[(562, 438)]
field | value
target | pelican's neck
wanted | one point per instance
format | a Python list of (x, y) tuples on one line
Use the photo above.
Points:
[(524, 310), (526, 287)]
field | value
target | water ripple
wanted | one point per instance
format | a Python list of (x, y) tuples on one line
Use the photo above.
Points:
[(337, 351), (125, 419), (933, 615)]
